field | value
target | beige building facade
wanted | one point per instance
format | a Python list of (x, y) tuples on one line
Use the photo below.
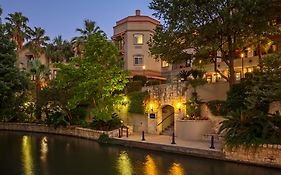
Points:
[(132, 35)]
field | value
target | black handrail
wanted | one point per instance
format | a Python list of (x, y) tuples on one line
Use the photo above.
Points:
[(165, 119)]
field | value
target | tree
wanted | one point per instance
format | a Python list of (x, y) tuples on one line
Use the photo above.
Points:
[(17, 28), (215, 29), (96, 78), (0, 15), (248, 122), (13, 83), (90, 28), (59, 51), (40, 74), (37, 42)]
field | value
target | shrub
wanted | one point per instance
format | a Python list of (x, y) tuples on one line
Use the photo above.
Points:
[(236, 97), (240, 129), (141, 78), (217, 107), (113, 123), (104, 138), (134, 86), (136, 104), (56, 119)]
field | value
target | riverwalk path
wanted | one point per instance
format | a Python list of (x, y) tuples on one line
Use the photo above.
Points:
[(164, 143)]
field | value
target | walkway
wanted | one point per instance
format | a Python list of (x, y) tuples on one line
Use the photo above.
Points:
[(163, 143)]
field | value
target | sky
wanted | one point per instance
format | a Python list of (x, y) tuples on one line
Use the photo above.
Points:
[(62, 17)]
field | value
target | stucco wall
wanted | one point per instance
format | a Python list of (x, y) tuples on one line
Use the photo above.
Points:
[(193, 129), (214, 91)]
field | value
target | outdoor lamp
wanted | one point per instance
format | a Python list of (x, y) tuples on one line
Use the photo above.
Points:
[(151, 107), (179, 106)]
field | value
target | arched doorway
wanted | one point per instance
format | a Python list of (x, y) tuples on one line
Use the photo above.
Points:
[(168, 119)]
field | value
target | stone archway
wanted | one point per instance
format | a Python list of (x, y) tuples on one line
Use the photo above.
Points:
[(166, 125)]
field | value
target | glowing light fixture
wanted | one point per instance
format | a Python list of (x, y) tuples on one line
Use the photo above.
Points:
[(151, 107), (179, 106)]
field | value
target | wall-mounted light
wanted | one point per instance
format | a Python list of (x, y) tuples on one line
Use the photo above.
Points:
[(151, 107), (179, 106)]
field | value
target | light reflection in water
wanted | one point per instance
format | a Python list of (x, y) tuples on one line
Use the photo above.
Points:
[(44, 149), (27, 156), (176, 169), (149, 166), (124, 164)]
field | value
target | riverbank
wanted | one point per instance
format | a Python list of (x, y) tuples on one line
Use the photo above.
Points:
[(269, 156)]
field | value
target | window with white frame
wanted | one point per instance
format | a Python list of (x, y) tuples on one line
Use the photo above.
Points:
[(138, 39), (138, 60)]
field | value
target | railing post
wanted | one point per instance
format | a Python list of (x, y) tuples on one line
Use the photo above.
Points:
[(143, 136), (212, 143), (173, 138), (119, 133)]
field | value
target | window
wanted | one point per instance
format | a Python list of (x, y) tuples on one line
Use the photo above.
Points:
[(138, 60), (138, 39), (165, 64)]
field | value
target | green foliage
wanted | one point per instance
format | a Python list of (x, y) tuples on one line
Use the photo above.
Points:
[(241, 129), (56, 118), (218, 107), (136, 104), (193, 107), (59, 51), (193, 77), (113, 123), (211, 27), (236, 96), (104, 138), (249, 123), (13, 82), (133, 86), (142, 79), (89, 81)]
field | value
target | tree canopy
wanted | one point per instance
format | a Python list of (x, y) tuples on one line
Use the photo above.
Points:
[(96, 78), (215, 29), (13, 82)]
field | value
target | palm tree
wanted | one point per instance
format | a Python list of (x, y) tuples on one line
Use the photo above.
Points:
[(40, 74), (89, 29), (17, 28), (38, 42), (60, 50), (0, 15)]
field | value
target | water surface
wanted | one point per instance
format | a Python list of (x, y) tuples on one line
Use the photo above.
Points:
[(43, 154)]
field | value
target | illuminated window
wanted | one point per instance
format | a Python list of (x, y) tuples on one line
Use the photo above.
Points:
[(138, 39), (165, 64), (138, 60)]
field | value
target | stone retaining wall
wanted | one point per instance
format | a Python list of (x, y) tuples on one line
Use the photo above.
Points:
[(266, 155), (70, 131)]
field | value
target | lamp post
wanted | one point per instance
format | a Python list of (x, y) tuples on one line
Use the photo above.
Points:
[(242, 60), (143, 68)]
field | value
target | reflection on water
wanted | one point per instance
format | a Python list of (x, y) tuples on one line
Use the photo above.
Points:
[(27, 156), (44, 149), (41, 154), (124, 164), (149, 166), (176, 169)]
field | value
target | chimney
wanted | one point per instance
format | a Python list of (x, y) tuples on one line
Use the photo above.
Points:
[(138, 12)]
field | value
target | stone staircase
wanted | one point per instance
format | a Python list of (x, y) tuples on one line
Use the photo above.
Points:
[(169, 130)]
